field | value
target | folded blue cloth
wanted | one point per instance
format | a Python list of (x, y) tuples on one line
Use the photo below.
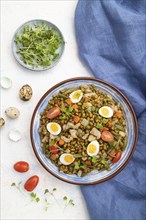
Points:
[(111, 40)]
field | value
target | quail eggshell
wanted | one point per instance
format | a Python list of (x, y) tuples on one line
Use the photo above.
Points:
[(12, 112), (2, 122), (6, 82), (15, 135), (25, 93)]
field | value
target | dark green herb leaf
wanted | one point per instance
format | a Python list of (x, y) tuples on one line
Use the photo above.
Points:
[(33, 195), (71, 202), (46, 191), (13, 184), (65, 198), (37, 199)]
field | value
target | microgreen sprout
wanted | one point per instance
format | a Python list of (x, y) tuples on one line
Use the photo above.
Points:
[(34, 198), (47, 204), (17, 186), (68, 201), (51, 193), (37, 46)]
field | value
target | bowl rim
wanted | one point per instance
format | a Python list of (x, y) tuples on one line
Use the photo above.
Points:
[(125, 99), (26, 66)]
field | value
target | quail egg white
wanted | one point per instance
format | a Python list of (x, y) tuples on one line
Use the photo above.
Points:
[(66, 159), (93, 148), (106, 112), (54, 128), (76, 96)]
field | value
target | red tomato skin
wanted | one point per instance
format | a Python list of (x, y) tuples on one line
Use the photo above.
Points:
[(117, 157), (107, 136), (53, 112), (31, 183), (21, 166), (54, 149)]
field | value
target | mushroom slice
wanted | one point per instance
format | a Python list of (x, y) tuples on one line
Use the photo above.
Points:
[(77, 126), (69, 125), (67, 140), (91, 138), (6, 82), (15, 135), (96, 133), (53, 136), (73, 133), (85, 122), (87, 105), (85, 136)]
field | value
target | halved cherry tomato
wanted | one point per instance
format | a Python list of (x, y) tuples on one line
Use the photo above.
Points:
[(107, 136), (21, 166), (54, 149), (53, 112), (117, 157), (31, 183)]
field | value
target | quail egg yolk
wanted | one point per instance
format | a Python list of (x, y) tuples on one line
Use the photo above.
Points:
[(76, 95), (54, 127), (68, 158), (92, 148), (105, 111)]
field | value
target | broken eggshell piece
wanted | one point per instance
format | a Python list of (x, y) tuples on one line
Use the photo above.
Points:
[(12, 112), (15, 135), (2, 122), (6, 82)]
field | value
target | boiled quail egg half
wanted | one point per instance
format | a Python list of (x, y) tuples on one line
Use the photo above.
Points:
[(76, 96), (106, 112), (54, 128), (93, 148), (66, 159)]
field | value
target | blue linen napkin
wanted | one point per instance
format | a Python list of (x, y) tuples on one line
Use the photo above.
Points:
[(111, 41)]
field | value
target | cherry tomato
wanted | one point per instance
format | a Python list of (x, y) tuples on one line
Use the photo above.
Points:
[(117, 157), (54, 149), (21, 166), (53, 112), (107, 136), (31, 183)]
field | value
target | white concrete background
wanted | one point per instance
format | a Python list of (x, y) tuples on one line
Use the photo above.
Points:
[(13, 14)]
